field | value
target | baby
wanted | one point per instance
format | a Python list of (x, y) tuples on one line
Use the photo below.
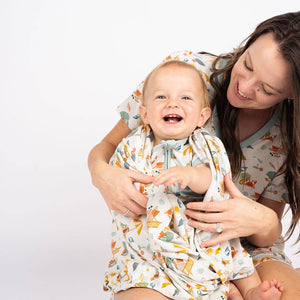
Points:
[(160, 250)]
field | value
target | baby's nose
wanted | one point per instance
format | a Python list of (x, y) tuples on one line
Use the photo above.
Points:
[(173, 102)]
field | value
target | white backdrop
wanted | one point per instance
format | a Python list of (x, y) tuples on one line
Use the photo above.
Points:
[(64, 66)]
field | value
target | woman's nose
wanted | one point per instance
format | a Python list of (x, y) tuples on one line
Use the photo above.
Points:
[(247, 86)]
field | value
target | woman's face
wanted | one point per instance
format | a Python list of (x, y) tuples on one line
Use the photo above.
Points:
[(261, 78)]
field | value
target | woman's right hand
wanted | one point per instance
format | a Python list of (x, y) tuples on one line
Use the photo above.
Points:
[(116, 187)]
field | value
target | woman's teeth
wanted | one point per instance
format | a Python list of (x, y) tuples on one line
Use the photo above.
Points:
[(243, 95)]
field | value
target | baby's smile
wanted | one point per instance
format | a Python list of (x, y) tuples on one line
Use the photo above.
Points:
[(172, 118)]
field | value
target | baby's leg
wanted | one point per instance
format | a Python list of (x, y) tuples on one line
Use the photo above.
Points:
[(251, 288), (268, 290), (234, 293)]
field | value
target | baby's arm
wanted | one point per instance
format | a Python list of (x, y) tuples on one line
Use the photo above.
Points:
[(197, 178)]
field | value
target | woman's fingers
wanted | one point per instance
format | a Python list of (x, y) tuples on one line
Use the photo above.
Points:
[(122, 198), (132, 200), (117, 188), (137, 198), (140, 177), (231, 187), (205, 217), (137, 201), (235, 217), (217, 206), (224, 233), (220, 238), (209, 227), (131, 209)]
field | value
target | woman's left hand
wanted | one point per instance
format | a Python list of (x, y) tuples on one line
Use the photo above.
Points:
[(236, 217)]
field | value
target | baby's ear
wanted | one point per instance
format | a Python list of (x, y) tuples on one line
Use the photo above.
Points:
[(204, 116), (143, 114)]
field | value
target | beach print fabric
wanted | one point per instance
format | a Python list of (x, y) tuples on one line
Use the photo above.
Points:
[(160, 250)]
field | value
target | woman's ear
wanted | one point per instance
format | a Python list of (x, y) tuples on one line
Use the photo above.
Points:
[(143, 114), (204, 116)]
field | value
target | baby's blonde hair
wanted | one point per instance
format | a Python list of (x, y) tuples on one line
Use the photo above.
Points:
[(178, 63)]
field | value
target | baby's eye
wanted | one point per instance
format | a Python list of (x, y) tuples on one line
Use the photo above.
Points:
[(161, 97), (186, 98)]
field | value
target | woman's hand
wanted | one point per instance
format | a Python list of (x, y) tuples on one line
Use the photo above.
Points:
[(237, 217), (116, 186)]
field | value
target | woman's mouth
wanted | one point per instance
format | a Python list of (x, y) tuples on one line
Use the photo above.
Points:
[(239, 93)]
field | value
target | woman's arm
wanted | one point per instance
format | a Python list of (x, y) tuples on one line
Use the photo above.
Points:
[(272, 229), (116, 184), (238, 217)]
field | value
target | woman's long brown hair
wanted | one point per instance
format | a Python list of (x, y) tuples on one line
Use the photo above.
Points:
[(286, 32)]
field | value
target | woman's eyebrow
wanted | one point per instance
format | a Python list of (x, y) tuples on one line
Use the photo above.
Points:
[(270, 86)]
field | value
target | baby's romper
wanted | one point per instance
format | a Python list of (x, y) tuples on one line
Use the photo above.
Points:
[(160, 250)]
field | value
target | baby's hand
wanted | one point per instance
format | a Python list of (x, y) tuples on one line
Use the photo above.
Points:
[(173, 175)]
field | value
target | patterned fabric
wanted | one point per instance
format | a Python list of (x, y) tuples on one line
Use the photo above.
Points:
[(160, 250), (262, 172), (274, 252)]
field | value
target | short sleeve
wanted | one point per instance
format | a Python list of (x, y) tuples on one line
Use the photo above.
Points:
[(277, 190), (263, 166), (129, 109)]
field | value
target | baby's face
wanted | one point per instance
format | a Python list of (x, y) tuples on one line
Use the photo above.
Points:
[(173, 103)]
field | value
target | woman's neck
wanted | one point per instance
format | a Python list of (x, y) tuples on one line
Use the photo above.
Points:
[(249, 121)]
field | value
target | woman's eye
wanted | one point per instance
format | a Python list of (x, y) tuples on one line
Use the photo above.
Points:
[(246, 66), (266, 92)]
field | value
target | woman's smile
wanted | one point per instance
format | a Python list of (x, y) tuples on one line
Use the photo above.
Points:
[(239, 93), (261, 77)]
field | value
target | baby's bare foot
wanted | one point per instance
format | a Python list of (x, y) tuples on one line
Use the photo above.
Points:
[(267, 290)]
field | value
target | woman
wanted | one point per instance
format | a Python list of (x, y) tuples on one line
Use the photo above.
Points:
[(256, 94)]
